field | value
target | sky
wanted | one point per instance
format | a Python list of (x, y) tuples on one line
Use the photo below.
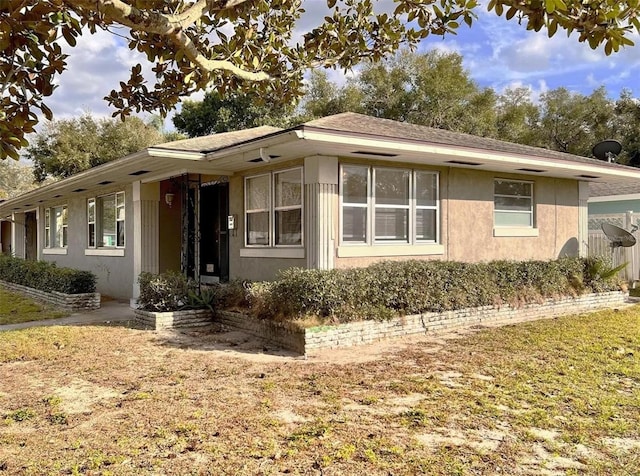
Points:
[(497, 53)]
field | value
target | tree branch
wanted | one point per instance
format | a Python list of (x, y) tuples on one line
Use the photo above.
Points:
[(172, 27)]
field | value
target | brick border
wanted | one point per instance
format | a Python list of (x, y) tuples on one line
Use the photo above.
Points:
[(356, 333), (68, 302), (174, 319)]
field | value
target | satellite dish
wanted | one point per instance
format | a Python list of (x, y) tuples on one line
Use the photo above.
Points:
[(607, 150), (618, 236)]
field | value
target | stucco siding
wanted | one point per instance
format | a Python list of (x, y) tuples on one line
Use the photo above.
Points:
[(114, 273), (467, 222)]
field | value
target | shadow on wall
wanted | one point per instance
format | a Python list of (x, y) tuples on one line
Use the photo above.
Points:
[(570, 249)]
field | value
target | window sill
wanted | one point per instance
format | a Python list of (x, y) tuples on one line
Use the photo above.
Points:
[(272, 253), (54, 251), (515, 231), (389, 250), (104, 252)]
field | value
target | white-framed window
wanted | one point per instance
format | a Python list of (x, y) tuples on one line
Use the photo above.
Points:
[(106, 221), (55, 227), (513, 203), (388, 205), (273, 209)]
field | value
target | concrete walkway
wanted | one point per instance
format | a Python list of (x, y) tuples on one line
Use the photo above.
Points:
[(110, 311)]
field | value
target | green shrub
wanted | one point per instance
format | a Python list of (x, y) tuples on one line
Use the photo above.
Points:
[(46, 276), (392, 288), (169, 291), (172, 291)]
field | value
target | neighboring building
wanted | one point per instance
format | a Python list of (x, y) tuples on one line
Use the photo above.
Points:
[(341, 191), (614, 197), (617, 203)]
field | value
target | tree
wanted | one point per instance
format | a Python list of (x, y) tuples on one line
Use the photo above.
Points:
[(517, 117), (627, 128), (233, 45), (574, 123), (431, 89), (15, 179), (70, 146), (324, 98), (232, 112)]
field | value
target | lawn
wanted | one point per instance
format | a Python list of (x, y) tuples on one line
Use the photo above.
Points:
[(559, 396), (15, 308)]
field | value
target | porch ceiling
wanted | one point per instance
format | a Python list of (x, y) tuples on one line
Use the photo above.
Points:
[(144, 166)]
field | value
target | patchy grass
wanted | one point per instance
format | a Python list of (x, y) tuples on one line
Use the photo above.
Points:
[(15, 308), (559, 396)]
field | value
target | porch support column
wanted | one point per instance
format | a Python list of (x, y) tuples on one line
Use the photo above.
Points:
[(146, 199), (18, 235), (583, 218), (321, 199)]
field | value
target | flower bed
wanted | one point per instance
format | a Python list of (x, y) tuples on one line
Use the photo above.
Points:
[(68, 302), (174, 319), (363, 332)]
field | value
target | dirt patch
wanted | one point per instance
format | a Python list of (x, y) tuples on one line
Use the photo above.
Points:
[(80, 396)]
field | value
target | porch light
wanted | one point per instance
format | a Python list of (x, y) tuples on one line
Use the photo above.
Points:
[(168, 198)]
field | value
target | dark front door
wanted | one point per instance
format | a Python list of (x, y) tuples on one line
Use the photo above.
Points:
[(30, 236), (214, 235)]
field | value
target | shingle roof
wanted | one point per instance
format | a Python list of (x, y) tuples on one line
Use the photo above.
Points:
[(218, 141), (613, 188), (353, 123)]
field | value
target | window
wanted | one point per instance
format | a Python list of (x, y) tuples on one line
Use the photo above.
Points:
[(105, 221), (388, 205), (513, 203), (55, 227), (273, 206)]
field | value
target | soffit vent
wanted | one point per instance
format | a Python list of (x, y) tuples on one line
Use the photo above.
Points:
[(105, 182), (589, 176), (535, 171), (376, 154), (140, 172), (463, 162)]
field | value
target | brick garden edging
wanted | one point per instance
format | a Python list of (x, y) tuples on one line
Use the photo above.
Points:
[(174, 319), (364, 332), (68, 302)]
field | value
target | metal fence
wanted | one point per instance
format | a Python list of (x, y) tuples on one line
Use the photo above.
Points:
[(599, 244)]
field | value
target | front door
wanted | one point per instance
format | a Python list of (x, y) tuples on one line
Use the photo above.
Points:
[(214, 235)]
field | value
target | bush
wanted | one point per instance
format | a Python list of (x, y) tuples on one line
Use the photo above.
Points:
[(391, 288), (172, 291), (169, 291), (46, 276)]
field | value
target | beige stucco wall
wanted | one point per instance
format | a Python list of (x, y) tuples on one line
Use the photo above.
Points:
[(466, 221), (114, 273), (470, 218)]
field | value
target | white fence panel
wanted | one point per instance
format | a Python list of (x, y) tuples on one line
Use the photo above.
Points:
[(599, 244)]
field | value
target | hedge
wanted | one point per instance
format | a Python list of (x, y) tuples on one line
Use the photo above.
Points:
[(46, 276), (392, 288)]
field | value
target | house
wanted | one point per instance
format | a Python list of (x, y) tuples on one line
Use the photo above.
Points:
[(617, 203), (341, 191)]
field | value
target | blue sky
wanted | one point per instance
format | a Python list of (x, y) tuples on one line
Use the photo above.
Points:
[(497, 53)]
